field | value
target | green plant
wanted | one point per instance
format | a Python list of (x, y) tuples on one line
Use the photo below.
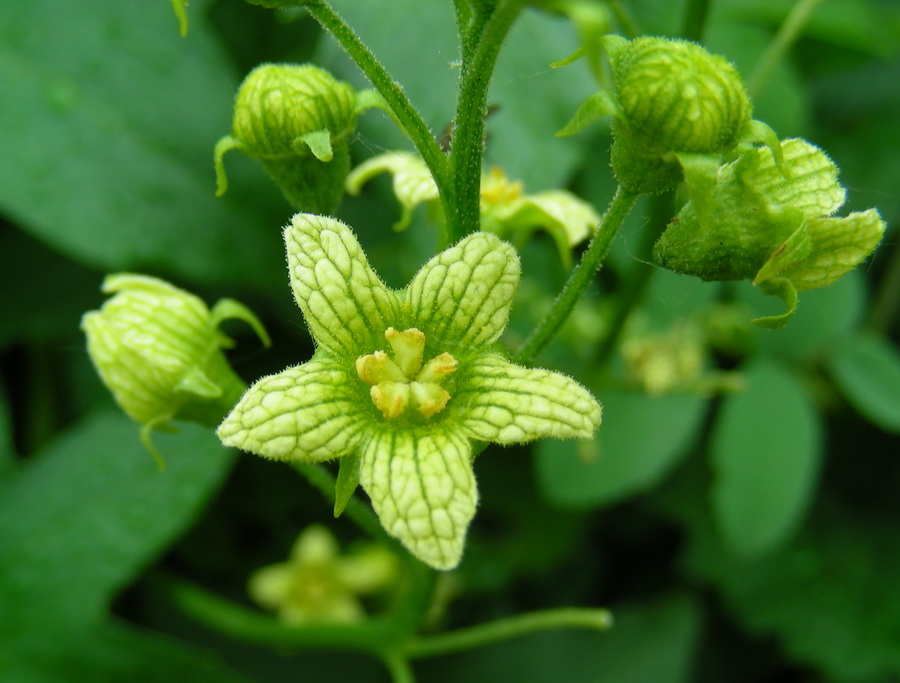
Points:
[(726, 486)]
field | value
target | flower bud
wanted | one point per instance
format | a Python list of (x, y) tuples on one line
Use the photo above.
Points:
[(673, 105), (158, 350), (297, 121)]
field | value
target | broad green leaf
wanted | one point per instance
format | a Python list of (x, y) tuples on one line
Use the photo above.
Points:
[(866, 368), (7, 449), (109, 123), (765, 450), (83, 518), (831, 599), (640, 440)]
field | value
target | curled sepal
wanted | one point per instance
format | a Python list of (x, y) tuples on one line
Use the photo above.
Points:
[(296, 120), (178, 7), (591, 21), (158, 349), (423, 490)]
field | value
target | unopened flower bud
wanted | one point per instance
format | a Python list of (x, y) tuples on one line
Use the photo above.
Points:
[(297, 121), (158, 349)]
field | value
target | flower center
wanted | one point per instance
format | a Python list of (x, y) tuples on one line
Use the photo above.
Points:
[(404, 382)]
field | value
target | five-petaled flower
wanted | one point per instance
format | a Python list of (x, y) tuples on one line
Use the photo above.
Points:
[(402, 381)]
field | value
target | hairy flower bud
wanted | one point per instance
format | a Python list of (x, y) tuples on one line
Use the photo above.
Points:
[(676, 108), (297, 121), (158, 349)]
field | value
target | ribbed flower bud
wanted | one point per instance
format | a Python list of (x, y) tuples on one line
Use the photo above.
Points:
[(297, 121), (676, 110), (675, 97), (158, 349)]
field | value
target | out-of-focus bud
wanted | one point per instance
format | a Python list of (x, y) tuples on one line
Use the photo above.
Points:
[(318, 584), (158, 349), (297, 121)]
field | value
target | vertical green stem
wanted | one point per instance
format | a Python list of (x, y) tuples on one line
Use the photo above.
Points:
[(405, 113), (580, 278), (631, 292), (695, 15), (787, 34), (463, 208), (399, 668)]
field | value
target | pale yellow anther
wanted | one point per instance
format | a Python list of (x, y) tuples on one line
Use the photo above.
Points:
[(496, 188), (391, 398), (402, 382), (438, 368), (429, 399), (377, 367), (408, 347)]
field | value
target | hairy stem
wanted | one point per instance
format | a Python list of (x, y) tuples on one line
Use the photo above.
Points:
[(505, 629), (404, 112), (479, 58), (580, 277)]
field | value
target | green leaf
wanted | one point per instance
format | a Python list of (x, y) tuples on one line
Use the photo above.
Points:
[(110, 120), (91, 512), (640, 440), (765, 451), (866, 368)]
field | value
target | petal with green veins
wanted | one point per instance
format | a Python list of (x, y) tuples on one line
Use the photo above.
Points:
[(506, 403), (838, 246), (346, 306), (464, 293), (423, 490), (307, 413)]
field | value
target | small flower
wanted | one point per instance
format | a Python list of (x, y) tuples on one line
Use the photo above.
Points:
[(320, 585), (158, 349), (676, 110), (297, 121), (506, 210), (754, 223), (402, 381)]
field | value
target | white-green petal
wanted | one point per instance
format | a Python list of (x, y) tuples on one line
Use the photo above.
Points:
[(345, 304), (306, 413), (413, 184), (506, 403), (464, 293), (423, 490)]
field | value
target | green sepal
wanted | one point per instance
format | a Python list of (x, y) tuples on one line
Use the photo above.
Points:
[(371, 99), (700, 171), (757, 132), (784, 289), (178, 6), (347, 481), (596, 106), (146, 437), (311, 185), (225, 144), (571, 59), (196, 382), (318, 142), (229, 309), (794, 250)]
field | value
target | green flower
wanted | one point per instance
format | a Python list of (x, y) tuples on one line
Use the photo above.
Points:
[(505, 209), (158, 349), (754, 223), (402, 381), (319, 584)]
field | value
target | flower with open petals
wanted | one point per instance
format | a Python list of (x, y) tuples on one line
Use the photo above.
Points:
[(402, 382)]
